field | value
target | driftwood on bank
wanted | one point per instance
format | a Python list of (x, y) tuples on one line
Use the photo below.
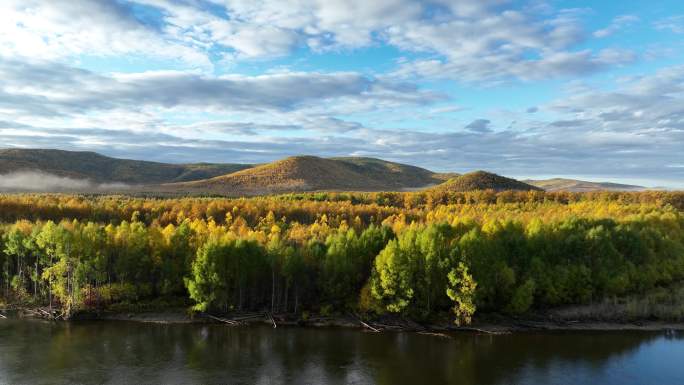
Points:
[(272, 320), (52, 315), (367, 326), (436, 334), (478, 330), (402, 325), (249, 316), (406, 326), (224, 320)]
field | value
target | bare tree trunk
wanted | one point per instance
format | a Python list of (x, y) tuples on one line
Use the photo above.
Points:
[(296, 298), (428, 299), (272, 289), (72, 285), (19, 272), (50, 287), (35, 283)]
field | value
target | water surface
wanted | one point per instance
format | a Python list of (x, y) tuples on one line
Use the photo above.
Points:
[(37, 352)]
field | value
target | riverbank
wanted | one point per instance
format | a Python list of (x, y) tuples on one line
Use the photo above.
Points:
[(489, 324), (659, 309), (502, 326)]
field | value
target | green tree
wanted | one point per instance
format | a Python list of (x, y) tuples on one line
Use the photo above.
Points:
[(209, 282), (216, 272), (16, 251), (523, 298), (392, 282), (461, 290), (411, 272)]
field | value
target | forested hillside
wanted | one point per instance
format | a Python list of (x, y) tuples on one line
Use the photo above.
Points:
[(43, 170), (298, 173), (103, 169), (310, 173), (413, 254), (391, 174), (482, 180), (561, 184)]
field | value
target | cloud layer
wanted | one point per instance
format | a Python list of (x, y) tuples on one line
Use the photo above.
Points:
[(488, 39)]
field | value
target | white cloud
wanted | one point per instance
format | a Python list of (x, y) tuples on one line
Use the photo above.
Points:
[(673, 24), (501, 67), (327, 23), (617, 24), (59, 29), (472, 40), (48, 89), (502, 45)]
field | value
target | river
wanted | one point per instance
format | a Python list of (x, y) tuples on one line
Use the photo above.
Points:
[(107, 352)]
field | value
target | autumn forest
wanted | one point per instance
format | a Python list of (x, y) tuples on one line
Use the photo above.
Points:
[(421, 255)]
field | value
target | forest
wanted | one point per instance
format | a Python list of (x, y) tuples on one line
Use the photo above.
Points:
[(418, 255)]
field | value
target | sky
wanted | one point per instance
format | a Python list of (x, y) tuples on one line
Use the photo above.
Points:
[(583, 89)]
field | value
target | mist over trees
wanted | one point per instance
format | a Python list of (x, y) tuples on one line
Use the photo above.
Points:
[(411, 254)]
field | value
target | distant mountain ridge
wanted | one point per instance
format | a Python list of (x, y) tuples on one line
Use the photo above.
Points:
[(45, 167), (573, 185), (99, 168)]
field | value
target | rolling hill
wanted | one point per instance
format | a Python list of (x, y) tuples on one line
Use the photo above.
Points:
[(573, 185), (482, 180), (102, 169), (58, 170), (310, 173), (392, 175)]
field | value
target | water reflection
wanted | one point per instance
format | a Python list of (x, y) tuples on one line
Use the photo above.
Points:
[(121, 352)]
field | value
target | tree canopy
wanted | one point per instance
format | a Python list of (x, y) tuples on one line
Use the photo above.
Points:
[(415, 255)]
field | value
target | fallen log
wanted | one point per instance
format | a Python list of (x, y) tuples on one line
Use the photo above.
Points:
[(483, 331), (391, 327), (435, 334), (375, 330), (51, 315), (272, 320), (246, 317), (224, 320)]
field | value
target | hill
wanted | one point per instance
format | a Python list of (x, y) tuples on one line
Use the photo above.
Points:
[(482, 180), (310, 173), (392, 175), (102, 169), (573, 185), (58, 170)]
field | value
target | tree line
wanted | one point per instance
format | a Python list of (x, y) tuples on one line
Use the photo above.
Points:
[(307, 207), (421, 263)]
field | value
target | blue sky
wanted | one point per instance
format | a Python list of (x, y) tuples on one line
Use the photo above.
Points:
[(585, 89)]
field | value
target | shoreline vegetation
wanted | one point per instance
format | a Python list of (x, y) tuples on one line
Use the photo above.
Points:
[(428, 262), (657, 310), (490, 324)]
